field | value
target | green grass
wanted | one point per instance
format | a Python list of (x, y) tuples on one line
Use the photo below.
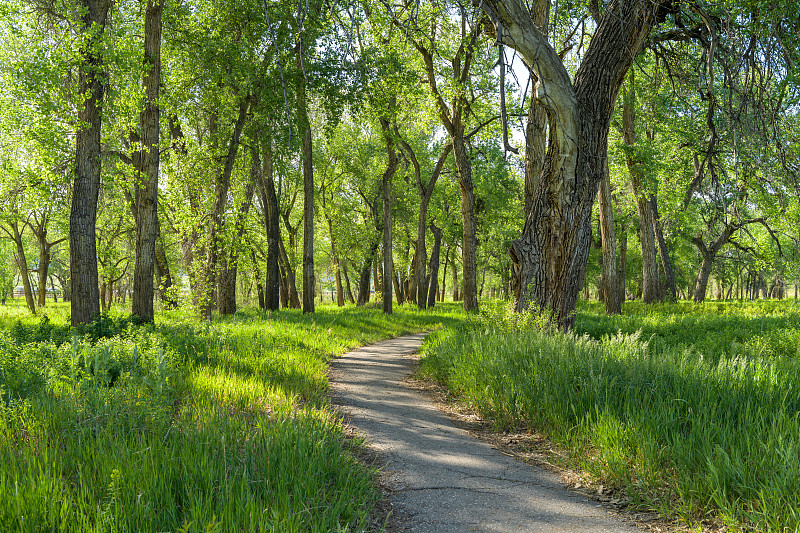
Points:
[(694, 411), (185, 425)]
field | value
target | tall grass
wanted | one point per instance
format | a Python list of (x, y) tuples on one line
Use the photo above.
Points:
[(686, 434), (185, 425)]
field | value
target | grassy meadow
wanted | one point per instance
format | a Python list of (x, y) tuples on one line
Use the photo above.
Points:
[(224, 426), (183, 426), (693, 410)]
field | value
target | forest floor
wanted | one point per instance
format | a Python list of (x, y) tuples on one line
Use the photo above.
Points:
[(439, 477)]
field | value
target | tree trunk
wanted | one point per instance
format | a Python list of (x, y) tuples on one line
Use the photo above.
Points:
[(643, 206), (168, 297), (444, 273), (609, 253), (364, 277), (666, 262), (552, 252), (623, 265), (701, 284), (469, 243), (433, 269), (392, 162), (293, 298), (269, 208), (398, 286), (536, 128), (22, 264), (218, 214), (304, 126), (146, 189), (262, 304), (85, 301), (226, 288), (347, 285)]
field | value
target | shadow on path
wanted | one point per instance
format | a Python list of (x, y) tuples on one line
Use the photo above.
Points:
[(442, 480)]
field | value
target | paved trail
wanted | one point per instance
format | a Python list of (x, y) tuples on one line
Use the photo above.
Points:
[(442, 480)]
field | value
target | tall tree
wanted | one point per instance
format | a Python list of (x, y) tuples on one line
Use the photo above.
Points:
[(552, 252), (146, 188), (85, 301)]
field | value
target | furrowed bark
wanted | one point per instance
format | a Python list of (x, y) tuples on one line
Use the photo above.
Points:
[(85, 296), (550, 257), (146, 189)]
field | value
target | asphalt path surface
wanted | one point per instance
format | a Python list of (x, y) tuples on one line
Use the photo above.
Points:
[(439, 478)]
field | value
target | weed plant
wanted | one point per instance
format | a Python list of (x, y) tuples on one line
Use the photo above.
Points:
[(694, 411), (185, 425)]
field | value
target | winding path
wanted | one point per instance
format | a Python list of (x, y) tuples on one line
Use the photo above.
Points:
[(441, 479)]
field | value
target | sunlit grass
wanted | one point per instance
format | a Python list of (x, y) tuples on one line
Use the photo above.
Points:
[(697, 416), (183, 426)]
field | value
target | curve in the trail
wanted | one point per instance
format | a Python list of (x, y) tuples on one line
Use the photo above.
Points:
[(441, 479)]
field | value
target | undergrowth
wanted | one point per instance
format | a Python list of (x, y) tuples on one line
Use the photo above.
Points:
[(695, 414), (185, 425)]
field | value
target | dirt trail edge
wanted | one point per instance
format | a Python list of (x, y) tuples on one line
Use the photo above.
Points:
[(441, 479)]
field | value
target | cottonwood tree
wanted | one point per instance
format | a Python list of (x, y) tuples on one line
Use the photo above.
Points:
[(550, 257)]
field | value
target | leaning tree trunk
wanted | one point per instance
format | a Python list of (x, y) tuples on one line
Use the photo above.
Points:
[(536, 128), (168, 297), (24, 270), (433, 270), (708, 254), (641, 196), (85, 301), (666, 262), (215, 244), (552, 252), (146, 190)]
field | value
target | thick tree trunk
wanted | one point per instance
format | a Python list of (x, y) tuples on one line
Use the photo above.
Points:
[(433, 270), (146, 190), (536, 128), (701, 284), (469, 242), (551, 255), (609, 253), (85, 301)]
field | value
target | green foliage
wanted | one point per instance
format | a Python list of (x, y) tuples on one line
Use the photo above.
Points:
[(692, 428), (184, 426)]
